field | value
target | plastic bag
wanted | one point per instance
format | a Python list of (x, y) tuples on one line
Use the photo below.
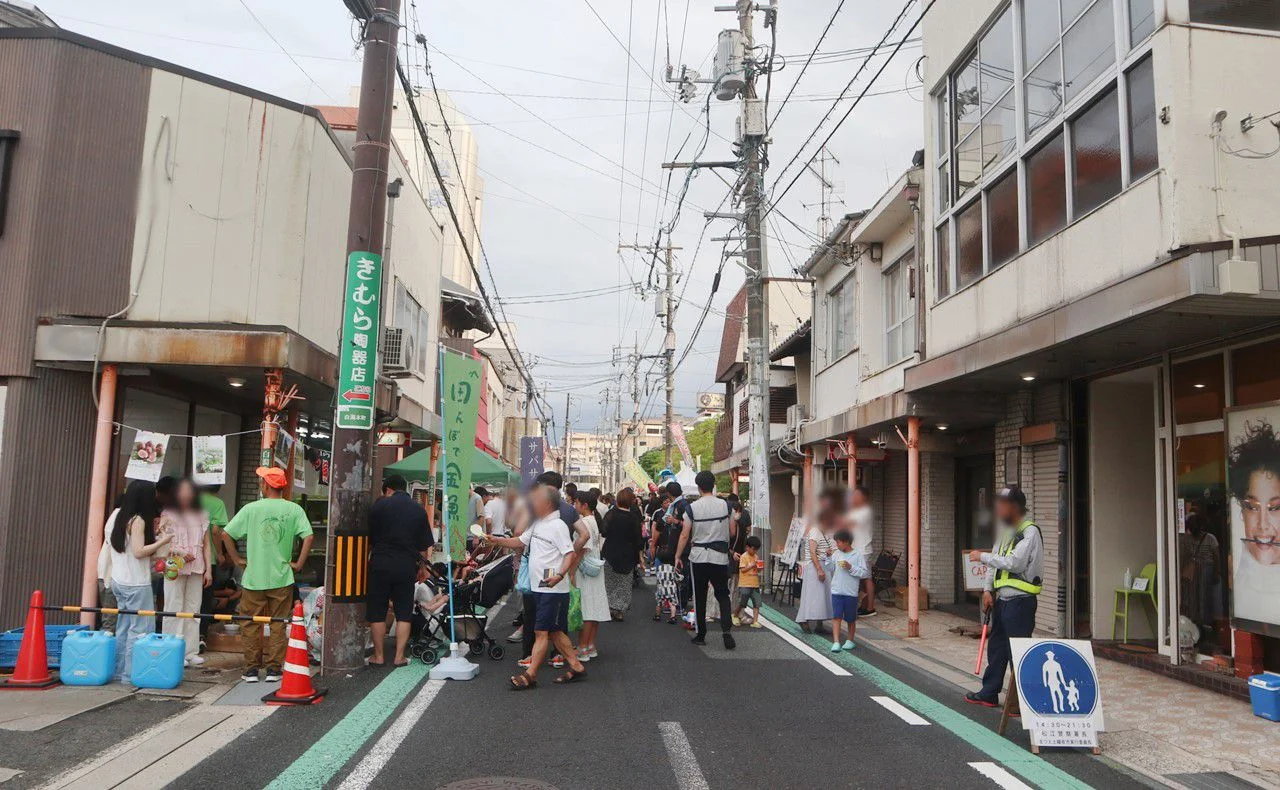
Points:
[(575, 610)]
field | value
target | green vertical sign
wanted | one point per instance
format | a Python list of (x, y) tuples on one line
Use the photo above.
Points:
[(358, 355), (460, 410)]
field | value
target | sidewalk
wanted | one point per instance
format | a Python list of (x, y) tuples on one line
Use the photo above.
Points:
[(1157, 726)]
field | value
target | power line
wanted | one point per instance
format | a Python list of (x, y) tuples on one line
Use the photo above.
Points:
[(805, 67), (292, 59)]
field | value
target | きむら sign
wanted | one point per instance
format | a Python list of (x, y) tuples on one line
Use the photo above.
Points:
[(358, 361)]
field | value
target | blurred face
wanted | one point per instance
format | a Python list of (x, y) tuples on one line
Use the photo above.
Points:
[(844, 545), (540, 498), (1261, 510), (1008, 513), (859, 499), (184, 496), (829, 510)]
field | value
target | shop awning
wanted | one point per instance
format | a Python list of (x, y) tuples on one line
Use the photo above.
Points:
[(485, 469)]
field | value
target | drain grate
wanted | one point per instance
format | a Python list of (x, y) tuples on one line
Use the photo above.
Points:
[(498, 783), (1213, 780)]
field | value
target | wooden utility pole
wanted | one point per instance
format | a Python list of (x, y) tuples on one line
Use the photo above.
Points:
[(351, 476)]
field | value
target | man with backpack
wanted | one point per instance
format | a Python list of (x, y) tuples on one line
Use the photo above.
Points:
[(709, 530)]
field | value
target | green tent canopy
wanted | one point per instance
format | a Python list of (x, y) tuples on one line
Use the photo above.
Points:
[(485, 469)]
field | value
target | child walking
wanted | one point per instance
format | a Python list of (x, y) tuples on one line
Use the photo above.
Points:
[(749, 582), (846, 567)]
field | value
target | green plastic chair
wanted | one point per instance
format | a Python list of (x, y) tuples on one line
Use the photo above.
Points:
[(1117, 613)]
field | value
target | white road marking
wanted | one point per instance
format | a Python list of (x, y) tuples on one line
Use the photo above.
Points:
[(1000, 776), (680, 753), (902, 711), (367, 770), (822, 660)]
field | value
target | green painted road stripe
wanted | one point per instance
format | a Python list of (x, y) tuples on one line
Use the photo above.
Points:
[(1010, 755), (336, 747)]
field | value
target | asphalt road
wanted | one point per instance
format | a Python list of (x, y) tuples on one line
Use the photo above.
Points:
[(654, 712)]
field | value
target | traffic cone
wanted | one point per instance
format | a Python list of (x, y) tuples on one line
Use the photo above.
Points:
[(32, 670), (295, 686)]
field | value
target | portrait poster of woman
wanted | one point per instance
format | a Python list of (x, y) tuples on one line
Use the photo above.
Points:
[(1253, 480)]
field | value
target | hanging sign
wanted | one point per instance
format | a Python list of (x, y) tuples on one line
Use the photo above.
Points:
[(320, 462), (636, 472), (677, 433), (532, 459), (146, 459), (209, 460), (393, 439), (460, 410), (1058, 690), (358, 357)]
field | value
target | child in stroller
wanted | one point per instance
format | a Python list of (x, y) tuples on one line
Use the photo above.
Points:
[(477, 590)]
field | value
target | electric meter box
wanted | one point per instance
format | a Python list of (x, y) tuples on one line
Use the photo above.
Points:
[(730, 68), (753, 118)]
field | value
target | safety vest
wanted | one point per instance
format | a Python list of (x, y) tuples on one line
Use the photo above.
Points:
[(1014, 580)]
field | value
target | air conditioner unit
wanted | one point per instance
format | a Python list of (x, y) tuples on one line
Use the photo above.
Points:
[(795, 415), (398, 353)]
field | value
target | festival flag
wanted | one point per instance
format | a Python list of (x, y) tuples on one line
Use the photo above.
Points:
[(460, 410)]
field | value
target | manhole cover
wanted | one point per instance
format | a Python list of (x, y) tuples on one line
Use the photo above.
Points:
[(498, 783)]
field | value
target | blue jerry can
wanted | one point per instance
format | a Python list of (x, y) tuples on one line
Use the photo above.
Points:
[(157, 661), (88, 658)]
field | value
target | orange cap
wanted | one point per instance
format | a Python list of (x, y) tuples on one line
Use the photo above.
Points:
[(274, 476)]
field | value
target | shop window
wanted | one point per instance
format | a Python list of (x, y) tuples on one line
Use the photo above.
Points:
[(1095, 154), (1257, 14), (1047, 190), (969, 244), (1143, 157), (1203, 538), (1255, 375), (1198, 390), (899, 310), (1142, 20), (942, 259), (1088, 47), (1002, 219), (840, 324)]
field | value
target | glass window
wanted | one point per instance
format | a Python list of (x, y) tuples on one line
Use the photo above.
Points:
[(899, 314), (944, 186), (1237, 13), (1088, 47), (1071, 10), (840, 319), (1002, 218), (999, 131), (969, 244), (1044, 92), (1256, 377), (1143, 157), (944, 124), (1198, 394), (412, 319), (942, 259), (966, 97), (1040, 29), (1095, 154), (996, 56), (1204, 538), (968, 162), (1047, 190), (1142, 20)]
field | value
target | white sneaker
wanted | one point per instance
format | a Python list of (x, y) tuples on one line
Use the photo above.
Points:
[(195, 661), (516, 635)]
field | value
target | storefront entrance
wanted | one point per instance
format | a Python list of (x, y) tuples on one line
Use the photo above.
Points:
[(975, 497)]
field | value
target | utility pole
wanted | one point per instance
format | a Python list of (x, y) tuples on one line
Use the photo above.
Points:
[(352, 464), (564, 460), (666, 311)]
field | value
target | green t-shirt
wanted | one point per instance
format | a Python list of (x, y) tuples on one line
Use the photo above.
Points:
[(216, 510), (268, 527)]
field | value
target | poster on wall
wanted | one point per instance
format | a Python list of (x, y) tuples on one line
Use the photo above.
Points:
[(1253, 480), (209, 460), (146, 459)]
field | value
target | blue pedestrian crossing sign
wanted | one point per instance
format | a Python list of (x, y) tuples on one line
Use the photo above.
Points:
[(1058, 691)]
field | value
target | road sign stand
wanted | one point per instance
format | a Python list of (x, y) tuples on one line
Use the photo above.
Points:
[(1053, 722), (1010, 707)]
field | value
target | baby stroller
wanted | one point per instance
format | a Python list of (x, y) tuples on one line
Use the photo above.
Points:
[(481, 589)]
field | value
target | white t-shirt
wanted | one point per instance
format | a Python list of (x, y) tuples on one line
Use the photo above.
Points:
[(423, 594), (547, 543), (104, 554), (126, 569), (863, 534), (496, 511)]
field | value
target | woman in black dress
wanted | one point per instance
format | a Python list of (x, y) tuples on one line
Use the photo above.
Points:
[(621, 551)]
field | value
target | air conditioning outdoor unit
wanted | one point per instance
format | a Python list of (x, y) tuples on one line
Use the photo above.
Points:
[(398, 352), (795, 416)]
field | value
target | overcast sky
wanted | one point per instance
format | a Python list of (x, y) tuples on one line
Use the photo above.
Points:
[(558, 60)]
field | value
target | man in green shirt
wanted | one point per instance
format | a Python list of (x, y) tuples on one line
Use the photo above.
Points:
[(268, 527), (216, 510)]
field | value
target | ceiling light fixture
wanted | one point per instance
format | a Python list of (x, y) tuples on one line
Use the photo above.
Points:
[(235, 381), (942, 426), (1028, 377), (1198, 386)]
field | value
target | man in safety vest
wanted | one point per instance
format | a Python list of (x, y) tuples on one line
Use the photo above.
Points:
[(1016, 564)]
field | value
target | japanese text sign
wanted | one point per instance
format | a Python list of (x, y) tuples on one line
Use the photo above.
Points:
[(358, 356), (460, 410)]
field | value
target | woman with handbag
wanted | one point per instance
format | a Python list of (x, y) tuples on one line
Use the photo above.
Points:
[(589, 580)]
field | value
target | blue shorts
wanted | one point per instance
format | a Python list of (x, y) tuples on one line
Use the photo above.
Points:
[(844, 607), (552, 611)]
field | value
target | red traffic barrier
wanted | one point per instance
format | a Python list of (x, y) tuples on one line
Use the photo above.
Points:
[(32, 670), (295, 686)]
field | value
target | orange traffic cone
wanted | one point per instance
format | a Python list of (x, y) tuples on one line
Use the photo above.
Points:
[(295, 687), (32, 670)]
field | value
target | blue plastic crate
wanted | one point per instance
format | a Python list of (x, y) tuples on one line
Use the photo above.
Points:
[(11, 642), (1264, 693)]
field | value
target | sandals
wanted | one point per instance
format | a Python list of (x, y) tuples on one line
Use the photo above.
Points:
[(523, 682), (571, 677)]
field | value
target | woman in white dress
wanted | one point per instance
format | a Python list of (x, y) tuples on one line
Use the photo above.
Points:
[(815, 587), (595, 601)]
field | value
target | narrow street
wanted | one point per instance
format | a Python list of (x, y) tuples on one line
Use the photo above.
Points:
[(656, 712)]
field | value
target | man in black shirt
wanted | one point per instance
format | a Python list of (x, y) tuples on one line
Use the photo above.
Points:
[(399, 534)]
